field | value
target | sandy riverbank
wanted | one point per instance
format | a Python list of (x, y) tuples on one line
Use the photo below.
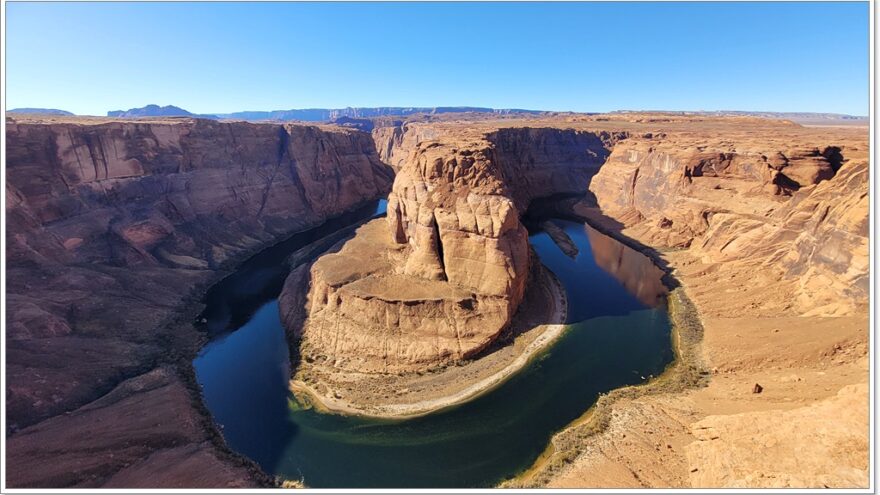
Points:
[(807, 427), (538, 323)]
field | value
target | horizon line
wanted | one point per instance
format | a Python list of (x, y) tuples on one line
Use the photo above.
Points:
[(419, 107)]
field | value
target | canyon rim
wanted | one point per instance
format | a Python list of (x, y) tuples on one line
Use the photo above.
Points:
[(103, 211), (455, 297)]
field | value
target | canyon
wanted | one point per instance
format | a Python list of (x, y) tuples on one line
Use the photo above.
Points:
[(115, 227), (114, 230), (440, 281)]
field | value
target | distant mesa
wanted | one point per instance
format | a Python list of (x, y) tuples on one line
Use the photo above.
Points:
[(312, 114), (360, 117), (155, 111), (43, 111), (796, 117), (330, 114)]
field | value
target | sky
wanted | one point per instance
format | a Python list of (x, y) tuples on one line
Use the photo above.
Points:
[(89, 58)]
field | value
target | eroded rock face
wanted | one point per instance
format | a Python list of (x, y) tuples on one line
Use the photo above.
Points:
[(793, 205), (819, 239), (144, 433), (680, 180), (365, 315), (112, 224), (444, 276)]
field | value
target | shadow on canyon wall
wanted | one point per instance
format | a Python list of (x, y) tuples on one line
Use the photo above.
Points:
[(243, 308), (562, 206)]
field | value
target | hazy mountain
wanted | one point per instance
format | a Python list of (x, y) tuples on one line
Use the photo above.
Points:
[(155, 111), (306, 114), (46, 111), (798, 117), (327, 114)]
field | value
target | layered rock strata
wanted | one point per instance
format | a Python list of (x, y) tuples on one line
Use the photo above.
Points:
[(445, 274), (110, 224), (796, 207), (772, 247)]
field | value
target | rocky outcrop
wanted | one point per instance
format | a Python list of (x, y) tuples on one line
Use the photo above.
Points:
[(441, 280), (396, 142), (365, 316), (675, 182), (112, 223), (794, 205), (819, 239), (144, 433)]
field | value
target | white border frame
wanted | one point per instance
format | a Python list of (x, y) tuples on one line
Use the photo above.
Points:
[(872, 290)]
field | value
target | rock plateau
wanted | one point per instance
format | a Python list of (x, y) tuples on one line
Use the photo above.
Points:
[(115, 227)]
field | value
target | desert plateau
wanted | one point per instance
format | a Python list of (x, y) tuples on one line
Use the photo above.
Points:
[(755, 229), (418, 246)]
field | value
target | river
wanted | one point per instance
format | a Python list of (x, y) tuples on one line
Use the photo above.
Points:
[(617, 334)]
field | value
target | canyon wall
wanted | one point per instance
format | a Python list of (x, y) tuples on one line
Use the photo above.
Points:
[(796, 207), (111, 225), (445, 275), (457, 257)]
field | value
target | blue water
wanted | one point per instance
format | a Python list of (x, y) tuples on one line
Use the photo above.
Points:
[(614, 339)]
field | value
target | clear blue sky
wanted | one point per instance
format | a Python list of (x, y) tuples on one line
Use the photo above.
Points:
[(221, 57)]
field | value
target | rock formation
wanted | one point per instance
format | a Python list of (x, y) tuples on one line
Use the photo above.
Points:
[(795, 206), (444, 276), (112, 223), (454, 212), (110, 226), (772, 247)]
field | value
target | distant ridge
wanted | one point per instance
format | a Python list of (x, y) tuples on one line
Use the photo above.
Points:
[(44, 111), (349, 115), (308, 114), (799, 117), (155, 111), (328, 114)]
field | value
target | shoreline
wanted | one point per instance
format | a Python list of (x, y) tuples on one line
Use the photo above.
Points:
[(703, 406), (685, 372), (192, 305), (547, 337)]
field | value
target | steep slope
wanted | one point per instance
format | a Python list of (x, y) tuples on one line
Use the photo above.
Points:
[(796, 207), (111, 224), (764, 223)]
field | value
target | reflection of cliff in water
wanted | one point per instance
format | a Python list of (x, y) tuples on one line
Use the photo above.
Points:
[(635, 271)]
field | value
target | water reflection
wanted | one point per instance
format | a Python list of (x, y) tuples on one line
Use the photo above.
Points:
[(635, 271), (616, 339), (608, 278)]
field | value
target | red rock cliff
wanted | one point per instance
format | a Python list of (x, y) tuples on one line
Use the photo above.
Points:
[(449, 270), (111, 224), (788, 201)]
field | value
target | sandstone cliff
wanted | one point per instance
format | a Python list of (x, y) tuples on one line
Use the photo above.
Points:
[(766, 226), (745, 190), (442, 279), (796, 207), (113, 223)]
